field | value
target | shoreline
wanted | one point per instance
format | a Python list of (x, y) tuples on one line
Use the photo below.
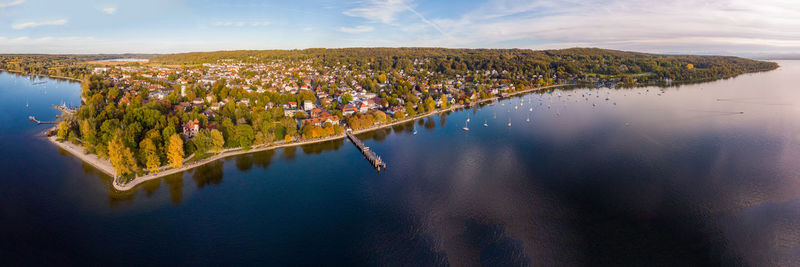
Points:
[(43, 75), (105, 165)]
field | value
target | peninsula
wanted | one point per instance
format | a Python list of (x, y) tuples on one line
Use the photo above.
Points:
[(143, 120)]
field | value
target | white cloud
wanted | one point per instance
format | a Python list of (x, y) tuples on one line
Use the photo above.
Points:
[(357, 29), (680, 26), (384, 11), (308, 29), (110, 10), (12, 3), (33, 24), (242, 23)]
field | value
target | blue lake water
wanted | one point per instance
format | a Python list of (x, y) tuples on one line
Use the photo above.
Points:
[(692, 175)]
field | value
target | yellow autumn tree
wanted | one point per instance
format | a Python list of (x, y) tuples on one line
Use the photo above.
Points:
[(175, 151), (63, 130), (150, 156), (121, 157)]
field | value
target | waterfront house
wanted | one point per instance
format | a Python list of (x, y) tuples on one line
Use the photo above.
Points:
[(320, 121), (190, 128)]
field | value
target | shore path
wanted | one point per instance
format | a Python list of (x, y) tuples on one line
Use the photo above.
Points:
[(105, 165)]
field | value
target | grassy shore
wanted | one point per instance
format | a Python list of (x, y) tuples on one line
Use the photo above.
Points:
[(105, 165)]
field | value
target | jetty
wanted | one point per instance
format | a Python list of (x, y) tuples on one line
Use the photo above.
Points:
[(33, 119), (370, 155)]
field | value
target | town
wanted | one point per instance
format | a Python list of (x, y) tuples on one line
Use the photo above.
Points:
[(252, 105), (179, 111), (314, 97)]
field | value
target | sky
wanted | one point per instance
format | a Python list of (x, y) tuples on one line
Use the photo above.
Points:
[(751, 28)]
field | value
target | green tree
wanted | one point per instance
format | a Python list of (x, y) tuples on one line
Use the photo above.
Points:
[(347, 98), (245, 134), (218, 140), (202, 141)]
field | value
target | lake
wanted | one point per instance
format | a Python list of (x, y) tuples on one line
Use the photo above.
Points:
[(702, 174)]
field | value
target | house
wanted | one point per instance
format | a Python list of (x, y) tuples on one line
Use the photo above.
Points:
[(293, 104), (289, 112), (308, 105), (361, 107), (157, 95), (316, 112), (190, 128), (396, 110), (321, 121), (216, 106), (197, 101), (181, 106), (99, 70), (348, 109)]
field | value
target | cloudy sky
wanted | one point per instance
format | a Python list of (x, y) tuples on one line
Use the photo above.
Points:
[(731, 27)]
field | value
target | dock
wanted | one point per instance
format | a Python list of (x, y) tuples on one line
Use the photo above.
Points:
[(66, 109), (370, 155), (33, 119)]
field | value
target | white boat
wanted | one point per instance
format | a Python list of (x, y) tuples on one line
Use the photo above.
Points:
[(530, 109), (509, 122), (516, 107), (466, 127), (485, 124)]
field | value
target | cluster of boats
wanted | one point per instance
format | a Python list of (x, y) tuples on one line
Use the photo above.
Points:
[(552, 98)]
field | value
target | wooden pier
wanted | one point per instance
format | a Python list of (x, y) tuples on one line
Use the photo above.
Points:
[(33, 119), (373, 158)]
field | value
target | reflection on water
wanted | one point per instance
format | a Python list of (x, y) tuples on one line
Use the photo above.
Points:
[(175, 184), (211, 173)]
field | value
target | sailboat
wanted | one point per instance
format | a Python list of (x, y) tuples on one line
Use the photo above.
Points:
[(27, 105), (466, 126), (528, 119), (485, 124), (509, 122), (467, 117)]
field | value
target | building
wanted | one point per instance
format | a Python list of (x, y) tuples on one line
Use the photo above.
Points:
[(308, 105), (321, 121), (190, 128), (361, 107), (348, 110)]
